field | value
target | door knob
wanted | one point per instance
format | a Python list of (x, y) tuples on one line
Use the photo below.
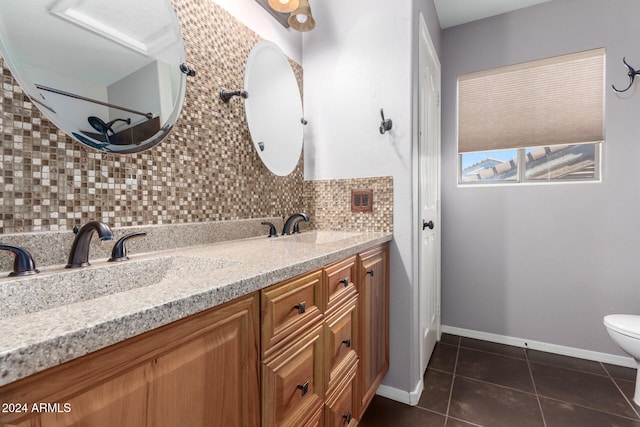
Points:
[(427, 224)]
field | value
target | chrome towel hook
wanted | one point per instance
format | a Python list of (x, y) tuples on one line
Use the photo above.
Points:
[(632, 74), (386, 124)]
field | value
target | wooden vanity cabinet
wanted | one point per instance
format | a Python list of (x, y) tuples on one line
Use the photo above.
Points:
[(373, 344), (199, 371), (310, 351), (342, 341)]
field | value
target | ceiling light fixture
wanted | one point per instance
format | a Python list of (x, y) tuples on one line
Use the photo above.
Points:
[(284, 6), (301, 18)]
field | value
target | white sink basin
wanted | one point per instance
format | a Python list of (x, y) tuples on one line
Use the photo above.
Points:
[(59, 287)]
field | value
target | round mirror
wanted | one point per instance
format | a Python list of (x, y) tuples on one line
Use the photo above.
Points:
[(108, 73), (273, 108)]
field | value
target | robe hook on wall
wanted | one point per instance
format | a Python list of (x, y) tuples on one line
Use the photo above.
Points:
[(226, 95), (386, 124), (632, 74)]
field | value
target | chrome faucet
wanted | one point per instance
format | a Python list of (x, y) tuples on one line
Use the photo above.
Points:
[(287, 225), (79, 256)]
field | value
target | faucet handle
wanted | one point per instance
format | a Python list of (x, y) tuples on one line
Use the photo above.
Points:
[(272, 228), (119, 252), (23, 264)]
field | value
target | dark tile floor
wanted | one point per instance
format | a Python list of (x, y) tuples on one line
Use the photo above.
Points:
[(478, 383)]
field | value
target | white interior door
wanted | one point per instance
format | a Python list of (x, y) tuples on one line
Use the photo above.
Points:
[(429, 227)]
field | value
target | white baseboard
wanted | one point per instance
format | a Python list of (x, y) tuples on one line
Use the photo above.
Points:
[(542, 346), (408, 398)]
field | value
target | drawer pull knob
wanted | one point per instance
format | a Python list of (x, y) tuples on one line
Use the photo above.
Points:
[(345, 281), (301, 307), (347, 342), (304, 388), (370, 272), (347, 418)]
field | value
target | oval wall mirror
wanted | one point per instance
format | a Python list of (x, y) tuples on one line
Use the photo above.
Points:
[(273, 108), (108, 73)]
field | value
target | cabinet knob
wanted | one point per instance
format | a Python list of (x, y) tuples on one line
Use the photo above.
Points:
[(370, 272), (345, 281), (347, 418), (304, 388), (347, 342), (301, 307)]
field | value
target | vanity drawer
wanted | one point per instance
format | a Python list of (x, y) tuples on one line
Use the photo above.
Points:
[(341, 405), (340, 283), (292, 382), (341, 335), (289, 308)]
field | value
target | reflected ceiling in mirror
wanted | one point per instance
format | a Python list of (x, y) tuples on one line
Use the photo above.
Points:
[(273, 108), (105, 72)]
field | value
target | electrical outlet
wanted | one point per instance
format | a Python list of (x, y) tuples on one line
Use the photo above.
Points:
[(361, 200)]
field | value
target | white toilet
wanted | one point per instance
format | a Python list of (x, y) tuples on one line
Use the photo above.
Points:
[(624, 329)]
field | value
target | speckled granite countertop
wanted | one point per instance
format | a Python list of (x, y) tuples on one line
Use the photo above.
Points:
[(62, 314)]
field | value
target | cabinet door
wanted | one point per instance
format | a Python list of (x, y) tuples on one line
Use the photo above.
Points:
[(292, 382), (213, 379), (120, 401), (199, 371), (373, 346)]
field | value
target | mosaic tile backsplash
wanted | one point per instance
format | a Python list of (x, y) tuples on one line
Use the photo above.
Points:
[(329, 204), (206, 170), (203, 184)]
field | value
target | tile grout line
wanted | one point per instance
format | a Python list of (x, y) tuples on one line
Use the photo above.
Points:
[(531, 393), (492, 352), (558, 365), (613, 414), (535, 389), (633, 407), (453, 378)]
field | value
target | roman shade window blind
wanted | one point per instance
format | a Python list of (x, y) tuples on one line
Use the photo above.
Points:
[(552, 101)]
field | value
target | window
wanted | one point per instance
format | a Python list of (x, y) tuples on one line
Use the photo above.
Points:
[(538, 121), (556, 163)]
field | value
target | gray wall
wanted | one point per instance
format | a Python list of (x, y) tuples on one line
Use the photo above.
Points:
[(545, 262)]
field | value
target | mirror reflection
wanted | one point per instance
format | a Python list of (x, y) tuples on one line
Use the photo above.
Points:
[(106, 72), (273, 108)]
